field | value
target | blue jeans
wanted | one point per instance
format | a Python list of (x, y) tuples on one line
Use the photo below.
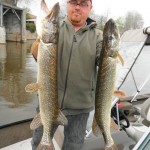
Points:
[(74, 132)]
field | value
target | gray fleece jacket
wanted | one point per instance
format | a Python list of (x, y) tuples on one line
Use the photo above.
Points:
[(77, 54)]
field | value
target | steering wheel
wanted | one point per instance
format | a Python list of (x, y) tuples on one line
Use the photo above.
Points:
[(122, 116)]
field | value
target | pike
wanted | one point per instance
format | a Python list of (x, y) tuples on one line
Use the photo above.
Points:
[(106, 83), (47, 29)]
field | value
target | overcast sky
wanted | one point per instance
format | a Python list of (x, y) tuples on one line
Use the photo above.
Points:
[(114, 8)]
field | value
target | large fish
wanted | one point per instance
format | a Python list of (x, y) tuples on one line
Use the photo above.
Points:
[(106, 83), (47, 29)]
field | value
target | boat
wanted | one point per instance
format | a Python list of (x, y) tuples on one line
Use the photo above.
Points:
[(132, 113)]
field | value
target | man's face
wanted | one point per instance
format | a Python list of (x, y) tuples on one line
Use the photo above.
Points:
[(78, 11)]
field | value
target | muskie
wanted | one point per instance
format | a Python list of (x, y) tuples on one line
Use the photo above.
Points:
[(106, 83), (47, 76)]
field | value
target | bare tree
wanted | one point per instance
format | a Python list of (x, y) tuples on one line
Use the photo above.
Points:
[(133, 20), (100, 19), (120, 23)]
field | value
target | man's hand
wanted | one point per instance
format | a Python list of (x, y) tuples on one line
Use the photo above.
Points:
[(34, 48)]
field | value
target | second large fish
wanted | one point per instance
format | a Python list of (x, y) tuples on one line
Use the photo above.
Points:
[(106, 82)]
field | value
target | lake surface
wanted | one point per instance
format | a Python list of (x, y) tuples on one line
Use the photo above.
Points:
[(17, 69)]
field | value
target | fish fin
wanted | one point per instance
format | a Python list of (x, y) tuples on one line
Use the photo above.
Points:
[(32, 87), (112, 147), (96, 130), (119, 94), (121, 59), (62, 120), (113, 125), (36, 122), (45, 147)]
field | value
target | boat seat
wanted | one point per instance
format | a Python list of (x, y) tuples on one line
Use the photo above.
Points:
[(137, 129)]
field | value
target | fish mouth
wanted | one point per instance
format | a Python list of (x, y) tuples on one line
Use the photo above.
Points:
[(111, 27), (54, 12)]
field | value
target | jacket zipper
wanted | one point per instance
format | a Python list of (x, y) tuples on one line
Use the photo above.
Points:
[(74, 40)]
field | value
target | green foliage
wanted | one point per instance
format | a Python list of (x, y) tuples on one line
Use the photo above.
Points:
[(133, 20), (28, 16), (31, 27)]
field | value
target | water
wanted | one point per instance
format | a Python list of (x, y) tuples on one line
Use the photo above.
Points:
[(17, 69)]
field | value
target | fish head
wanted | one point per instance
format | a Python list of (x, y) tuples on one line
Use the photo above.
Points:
[(47, 23), (111, 38)]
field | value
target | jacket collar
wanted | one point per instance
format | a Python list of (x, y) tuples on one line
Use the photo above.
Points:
[(90, 23)]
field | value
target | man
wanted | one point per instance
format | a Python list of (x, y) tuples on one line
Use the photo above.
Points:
[(79, 48)]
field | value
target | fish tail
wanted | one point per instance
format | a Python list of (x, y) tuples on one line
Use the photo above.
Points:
[(46, 142), (112, 147), (45, 147)]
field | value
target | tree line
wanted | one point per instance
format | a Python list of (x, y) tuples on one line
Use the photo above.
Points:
[(131, 20)]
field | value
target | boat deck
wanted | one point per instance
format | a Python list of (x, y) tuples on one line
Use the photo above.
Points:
[(25, 145)]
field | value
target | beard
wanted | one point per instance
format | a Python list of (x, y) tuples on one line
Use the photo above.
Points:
[(76, 18)]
